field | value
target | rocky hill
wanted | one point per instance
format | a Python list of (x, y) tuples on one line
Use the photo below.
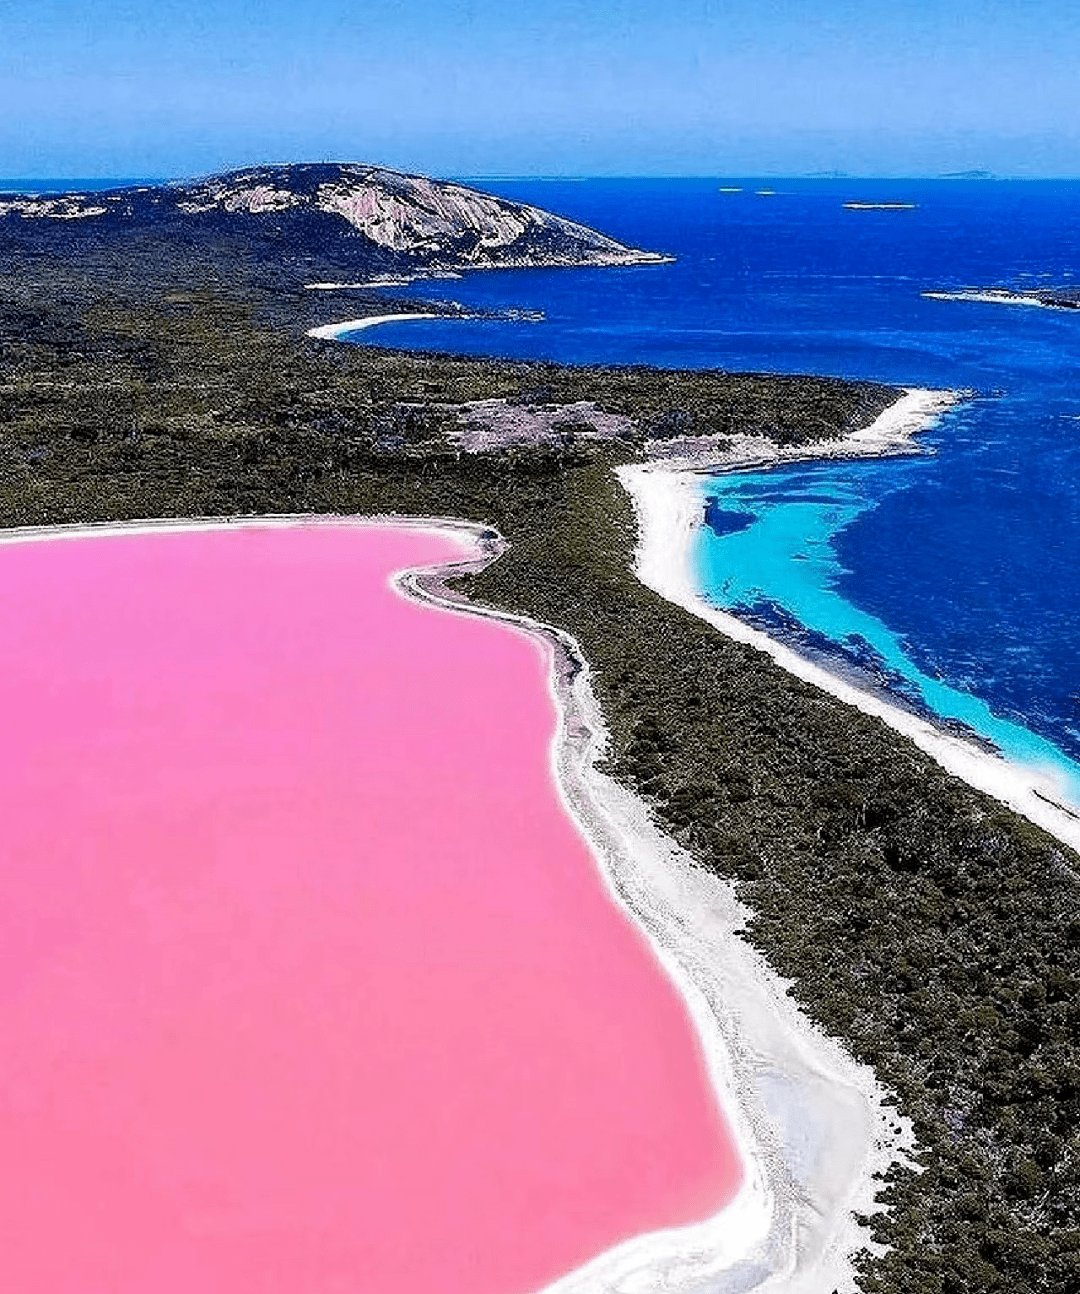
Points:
[(380, 219)]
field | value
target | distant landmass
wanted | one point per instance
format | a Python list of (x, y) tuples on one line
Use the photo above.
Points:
[(379, 219)]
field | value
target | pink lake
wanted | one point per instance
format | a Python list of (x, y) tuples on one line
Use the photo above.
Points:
[(308, 983)]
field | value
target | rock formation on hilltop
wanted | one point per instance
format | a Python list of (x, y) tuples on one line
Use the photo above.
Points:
[(379, 218)]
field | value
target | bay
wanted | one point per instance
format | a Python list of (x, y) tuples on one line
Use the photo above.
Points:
[(952, 579)]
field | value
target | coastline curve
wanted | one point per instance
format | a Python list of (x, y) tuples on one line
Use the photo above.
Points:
[(336, 331), (669, 500)]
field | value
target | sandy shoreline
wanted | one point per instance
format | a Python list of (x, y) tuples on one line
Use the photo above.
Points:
[(335, 332), (889, 434), (669, 499), (812, 1126)]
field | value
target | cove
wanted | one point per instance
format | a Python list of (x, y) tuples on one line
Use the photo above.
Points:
[(779, 570)]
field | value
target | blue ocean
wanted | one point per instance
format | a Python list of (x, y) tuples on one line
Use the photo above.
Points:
[(953, 578)]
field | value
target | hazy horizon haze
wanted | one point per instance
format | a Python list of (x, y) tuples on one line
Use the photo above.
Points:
[(91, 88)]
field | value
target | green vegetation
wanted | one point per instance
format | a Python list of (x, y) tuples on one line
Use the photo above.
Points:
[(934, 932)]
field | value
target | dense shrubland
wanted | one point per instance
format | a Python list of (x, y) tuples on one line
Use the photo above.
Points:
[(934, 932)]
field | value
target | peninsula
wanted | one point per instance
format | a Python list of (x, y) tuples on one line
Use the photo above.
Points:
[(382, 220)]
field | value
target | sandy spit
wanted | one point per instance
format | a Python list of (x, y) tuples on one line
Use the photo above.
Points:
[(669, 499), (812, 1125)]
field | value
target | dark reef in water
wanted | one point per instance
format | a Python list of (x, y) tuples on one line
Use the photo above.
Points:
[(726, 521), (1061, 298), (856, 661)]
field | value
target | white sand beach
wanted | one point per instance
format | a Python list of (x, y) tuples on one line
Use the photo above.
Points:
[(669, 500), (334, 332), (892, 432)]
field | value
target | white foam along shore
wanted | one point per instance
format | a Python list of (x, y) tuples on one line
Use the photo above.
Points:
[(669, 498), (812, 1126), (335, 331)]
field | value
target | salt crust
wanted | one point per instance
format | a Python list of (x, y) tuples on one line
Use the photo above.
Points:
[(813, 1127)]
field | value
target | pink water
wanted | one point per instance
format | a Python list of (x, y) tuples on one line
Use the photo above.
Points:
[(308, 984)]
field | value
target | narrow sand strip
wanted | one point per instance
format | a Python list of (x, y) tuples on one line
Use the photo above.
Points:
[(335, 332), (813, 1126), (669, 499)]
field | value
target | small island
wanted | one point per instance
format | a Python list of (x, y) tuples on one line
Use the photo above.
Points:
[(880, 206), (1065, 298)]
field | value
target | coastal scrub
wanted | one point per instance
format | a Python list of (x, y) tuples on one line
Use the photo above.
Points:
[(932, 931)]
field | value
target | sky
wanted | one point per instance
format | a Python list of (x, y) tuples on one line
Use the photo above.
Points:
[(550, 87)]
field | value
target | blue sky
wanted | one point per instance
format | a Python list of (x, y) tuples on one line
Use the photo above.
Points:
[(488, 87)]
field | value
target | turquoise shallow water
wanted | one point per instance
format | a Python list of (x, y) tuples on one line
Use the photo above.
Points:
[(954, 579), (769, 556)]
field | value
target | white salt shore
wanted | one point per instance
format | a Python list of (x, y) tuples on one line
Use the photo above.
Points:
[(669, 498), (813, 1127)]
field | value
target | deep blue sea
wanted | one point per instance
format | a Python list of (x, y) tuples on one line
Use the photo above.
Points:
[(953, 577)]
